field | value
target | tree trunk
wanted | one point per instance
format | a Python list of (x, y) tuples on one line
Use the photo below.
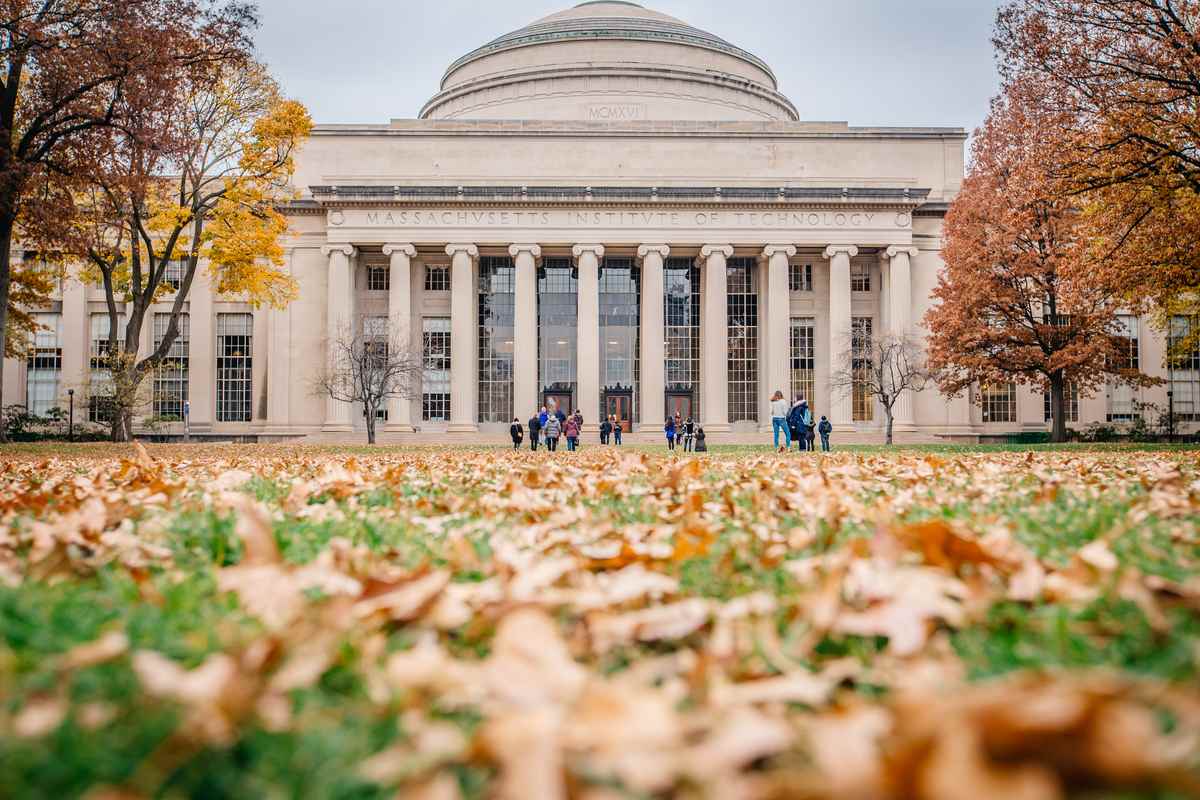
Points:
[(887, 410), (1058, 407), (6, 229), (371, 425)]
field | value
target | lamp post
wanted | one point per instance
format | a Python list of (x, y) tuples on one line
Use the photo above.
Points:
[(70, 415)]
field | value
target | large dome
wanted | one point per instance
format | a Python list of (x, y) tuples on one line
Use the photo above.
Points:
[(609, 61)]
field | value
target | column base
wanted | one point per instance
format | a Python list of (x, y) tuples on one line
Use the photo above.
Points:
[(715, 427), (336, 427), (399, 428), (462, 427), (904, 427)]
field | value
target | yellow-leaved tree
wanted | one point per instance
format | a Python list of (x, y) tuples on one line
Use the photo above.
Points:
[(205, 196)]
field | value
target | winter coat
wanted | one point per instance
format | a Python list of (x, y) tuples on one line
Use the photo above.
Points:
[(701, 447), (560, 416), (516, 432), (571, 429), (795, 417), (605, 428), (825, 428), (552, 428), (670, 428), (542, 417), (779, 408), (535, 425)]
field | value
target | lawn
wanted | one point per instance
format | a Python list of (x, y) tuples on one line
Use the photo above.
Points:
[(924, 624)]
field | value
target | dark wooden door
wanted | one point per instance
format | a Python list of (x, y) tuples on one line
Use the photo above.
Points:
[(679, 405), (621, 407)]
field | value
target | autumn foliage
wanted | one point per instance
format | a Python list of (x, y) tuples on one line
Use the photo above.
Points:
[(1019, 300)]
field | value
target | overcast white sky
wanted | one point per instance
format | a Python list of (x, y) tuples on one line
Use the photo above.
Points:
[(868, 62)]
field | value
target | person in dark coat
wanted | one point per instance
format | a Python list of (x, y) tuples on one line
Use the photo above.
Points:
[(617, 431), (825, 428), (669, 429), (561, 415), (517, 433), (689, 435), (701, 441), (535, 430), (795, 422), (605, 431)]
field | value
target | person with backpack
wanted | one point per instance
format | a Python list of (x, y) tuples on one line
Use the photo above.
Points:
[(571, 431), (701, 444), (825, 428), (605, 430), (669, 429), (779, 423), (617, 430), (805, 425), (795, 421), (689, 435), (517, 433), (535, 431), (552, 429)]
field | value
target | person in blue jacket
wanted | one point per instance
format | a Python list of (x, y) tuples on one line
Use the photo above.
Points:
[(669, 429)]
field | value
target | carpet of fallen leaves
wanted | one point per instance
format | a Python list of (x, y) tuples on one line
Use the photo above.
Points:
[(274, 622)]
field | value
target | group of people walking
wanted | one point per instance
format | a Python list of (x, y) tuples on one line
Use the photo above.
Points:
[(795, 422), (547, 427), (685, 434)]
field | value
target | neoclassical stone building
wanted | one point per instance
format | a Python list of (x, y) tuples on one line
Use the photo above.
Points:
[(607, 209)]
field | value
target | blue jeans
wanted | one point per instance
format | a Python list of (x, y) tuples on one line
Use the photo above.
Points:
[(780, 424)]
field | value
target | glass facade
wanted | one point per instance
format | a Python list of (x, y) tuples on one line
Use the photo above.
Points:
[(862, 341), (171, 377), (804, 359), (235, 361), (1122, 398), (45, 365), (742, 285), (999, 402), (681, 314), (100, 386), (1183, 360), (558, 310), (1072, 392), (435, 380), (497, 286), (620, 310)]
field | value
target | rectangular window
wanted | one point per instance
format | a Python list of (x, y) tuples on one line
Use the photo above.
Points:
[(558, 332), (1072, 392), (742, 303), (435, 381), (497, 327), (379, 278), (1183, 359), (171, 377), (234, 367), (1128, 332), (437, 278), (44, 365), (174, 272), (100, 387), (860, 276), (1122, 400), (800, 277), (804, 358), (862, 343), (681, 313), (620, 311), (999, 402)]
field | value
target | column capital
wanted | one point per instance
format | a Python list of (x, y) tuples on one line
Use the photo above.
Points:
[(709, 250), (347, 250), (454, 249), (661, 249), (848, 250), (772, 250), (579, 249), (894, 251), (534, 250), (403, 249)]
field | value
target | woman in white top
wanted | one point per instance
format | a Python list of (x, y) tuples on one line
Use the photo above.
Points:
[(779, 412)]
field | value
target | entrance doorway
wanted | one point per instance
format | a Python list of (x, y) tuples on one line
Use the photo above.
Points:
[(681, 404), (620, 405), (558, 400)]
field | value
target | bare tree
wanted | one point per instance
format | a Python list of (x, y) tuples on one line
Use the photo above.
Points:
[(883, 367), (369, 365)]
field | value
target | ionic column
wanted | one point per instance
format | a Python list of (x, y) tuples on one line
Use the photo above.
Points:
[(899, 318), (841, 412), (778, 341), (339, 322), (400, 327), (715, 403), (464, 335), (653, 387), (587, 261), (525, 330)]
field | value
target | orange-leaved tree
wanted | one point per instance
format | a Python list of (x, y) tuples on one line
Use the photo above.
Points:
[(1125, 78), (206, 197), (1018, 301)]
